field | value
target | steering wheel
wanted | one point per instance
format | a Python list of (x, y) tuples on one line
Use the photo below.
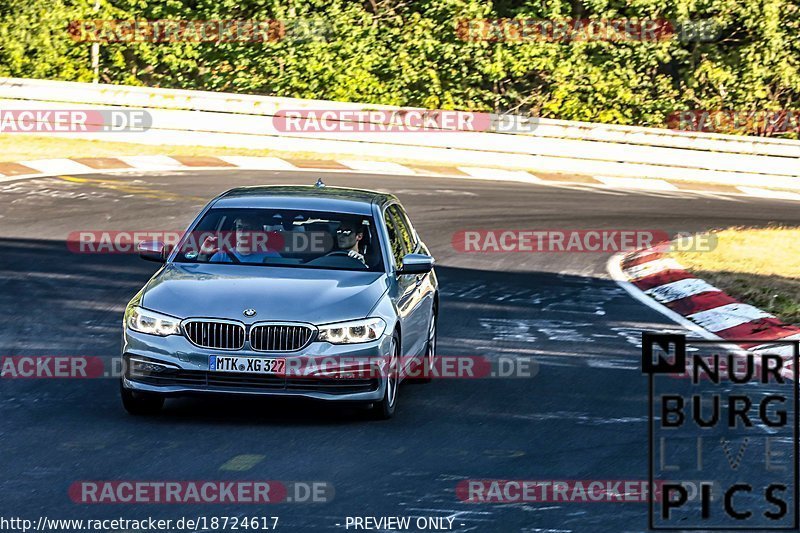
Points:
[(338, 252)]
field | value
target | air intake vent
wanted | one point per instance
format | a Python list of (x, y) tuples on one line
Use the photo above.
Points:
[(215, 334), (279, 337)]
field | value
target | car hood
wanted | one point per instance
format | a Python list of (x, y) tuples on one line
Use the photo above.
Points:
[(276, 293)]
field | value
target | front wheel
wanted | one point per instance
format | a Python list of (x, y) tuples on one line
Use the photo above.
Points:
[(385, 409), (140, 403)]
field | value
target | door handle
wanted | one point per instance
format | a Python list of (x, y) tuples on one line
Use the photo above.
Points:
[(419, 280)]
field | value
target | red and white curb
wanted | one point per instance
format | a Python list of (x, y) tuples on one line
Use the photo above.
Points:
[(664, 285), (11, 171)]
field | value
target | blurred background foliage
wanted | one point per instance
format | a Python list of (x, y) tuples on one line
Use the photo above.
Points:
[(410, 53)]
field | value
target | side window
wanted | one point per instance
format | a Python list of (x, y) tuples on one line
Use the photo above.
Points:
[(404, 230), (395, 241)]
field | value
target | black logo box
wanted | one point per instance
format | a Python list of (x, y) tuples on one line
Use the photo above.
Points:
[(678, 366)]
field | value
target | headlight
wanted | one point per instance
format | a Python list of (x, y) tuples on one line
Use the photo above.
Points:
[(150, 322), (352, 332)]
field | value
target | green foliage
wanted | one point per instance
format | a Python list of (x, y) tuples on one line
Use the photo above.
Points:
[(409, 52)]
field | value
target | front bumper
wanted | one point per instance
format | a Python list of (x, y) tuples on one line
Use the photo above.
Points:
[(185, 370)]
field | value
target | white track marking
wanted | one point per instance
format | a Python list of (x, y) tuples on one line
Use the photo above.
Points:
[(376, 166), (650, 184), (767, 193), (786, 350), (680, 289), (652, 267), (728, 316), (18, 178), (58, 166), (242, 463), (150, 162), (486, 173), (257, 163)]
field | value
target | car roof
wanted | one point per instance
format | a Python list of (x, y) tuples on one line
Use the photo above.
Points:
[(306, 197)]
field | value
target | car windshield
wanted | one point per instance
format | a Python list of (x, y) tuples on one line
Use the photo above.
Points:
[(283, 237)]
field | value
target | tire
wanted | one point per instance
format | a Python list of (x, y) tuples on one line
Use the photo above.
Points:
[(385, 409), (140, 403), (430, 349)]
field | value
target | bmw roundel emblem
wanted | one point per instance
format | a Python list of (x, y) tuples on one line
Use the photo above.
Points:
[(249, 312)]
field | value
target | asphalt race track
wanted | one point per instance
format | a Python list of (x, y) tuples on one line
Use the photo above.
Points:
[(582, 416)]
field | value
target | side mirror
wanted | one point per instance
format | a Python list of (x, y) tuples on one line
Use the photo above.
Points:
[(152, 251), (416, 264)]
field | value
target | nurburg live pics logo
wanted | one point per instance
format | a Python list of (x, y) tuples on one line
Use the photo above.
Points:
[(730, 418)]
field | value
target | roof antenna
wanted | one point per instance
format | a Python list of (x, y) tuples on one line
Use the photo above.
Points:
[(319, 184)]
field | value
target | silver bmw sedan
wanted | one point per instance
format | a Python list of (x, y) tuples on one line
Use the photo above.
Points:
[(320, 292)]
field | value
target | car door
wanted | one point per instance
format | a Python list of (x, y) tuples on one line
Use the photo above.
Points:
[(404, 292), (417, 307)]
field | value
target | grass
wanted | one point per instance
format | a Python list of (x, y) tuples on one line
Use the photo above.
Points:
[(757, 266)]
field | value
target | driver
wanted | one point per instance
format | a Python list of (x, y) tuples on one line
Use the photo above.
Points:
[(248, 245), (348, 237)]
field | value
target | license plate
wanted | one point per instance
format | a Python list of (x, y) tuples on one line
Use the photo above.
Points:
[(246, 365)]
